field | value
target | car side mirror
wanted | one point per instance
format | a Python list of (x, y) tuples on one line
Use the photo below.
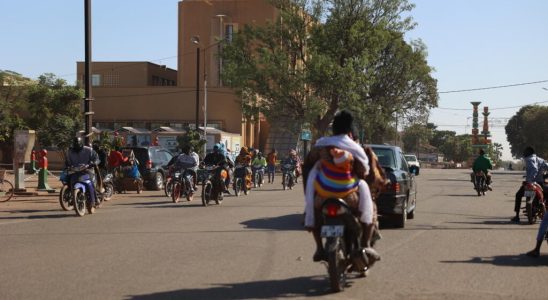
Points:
[(413, 170)]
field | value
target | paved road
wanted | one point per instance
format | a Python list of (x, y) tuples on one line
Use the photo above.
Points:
[(459, 246)]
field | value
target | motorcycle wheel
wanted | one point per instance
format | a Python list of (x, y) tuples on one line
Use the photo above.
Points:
[(139, 186), (109, 191), (285, 181), (168, 187), (65, 198), (529, 212), (79, 200), (206, 193), (176, 193), (237, 187), (189, 192), (336, 266)]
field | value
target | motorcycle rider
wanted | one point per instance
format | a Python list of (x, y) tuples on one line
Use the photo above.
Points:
[(244, 160), (78, 155), (482, 163), (259, 162), (339, 149), (188, 162), (292, 160), (534, 172), (271, 167), (219, 158)]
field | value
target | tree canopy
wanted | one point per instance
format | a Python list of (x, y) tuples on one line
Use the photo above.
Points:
[(48, 105), (527, 128), (320, 56)]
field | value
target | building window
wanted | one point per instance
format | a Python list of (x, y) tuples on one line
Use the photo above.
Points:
[(229, 32), (96, 80)]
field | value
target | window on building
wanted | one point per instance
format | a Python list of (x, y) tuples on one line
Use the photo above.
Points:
[(229, 32), (96, 80)]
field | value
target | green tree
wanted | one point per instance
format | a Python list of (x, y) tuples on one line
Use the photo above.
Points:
[(13, 88), (458, 148), (54, 111), (526, 128), (193, 139), (321, 56), (415, 137)]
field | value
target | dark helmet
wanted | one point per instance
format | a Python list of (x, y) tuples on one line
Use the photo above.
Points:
[(217, 148), (481, 152), (186, 149), (77, 143), (528, 151)]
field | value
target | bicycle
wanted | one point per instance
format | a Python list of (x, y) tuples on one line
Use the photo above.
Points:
[(6, 187)]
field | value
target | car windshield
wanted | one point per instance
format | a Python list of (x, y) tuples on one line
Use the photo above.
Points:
[(386, 157), (410, 158)]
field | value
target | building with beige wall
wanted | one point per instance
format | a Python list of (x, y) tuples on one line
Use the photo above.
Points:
[(147, 95)]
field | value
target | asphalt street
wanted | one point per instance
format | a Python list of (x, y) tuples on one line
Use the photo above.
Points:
[(459, 246)]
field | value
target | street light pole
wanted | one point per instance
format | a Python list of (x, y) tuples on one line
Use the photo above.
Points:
[(197, 86), (205, 107), (87, 74)]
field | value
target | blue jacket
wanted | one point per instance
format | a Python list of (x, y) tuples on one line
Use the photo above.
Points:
[(534, 168)]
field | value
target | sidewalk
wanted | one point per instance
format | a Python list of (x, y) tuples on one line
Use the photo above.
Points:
[(32, 199)]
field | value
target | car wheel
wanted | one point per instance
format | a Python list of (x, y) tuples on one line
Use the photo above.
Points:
[(158, 181)]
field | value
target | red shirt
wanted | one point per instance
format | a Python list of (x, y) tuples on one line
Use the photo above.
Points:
[(116, 158)]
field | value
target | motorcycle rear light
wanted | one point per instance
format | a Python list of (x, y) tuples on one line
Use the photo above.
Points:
[(396, 187), (223, 174), (331, 210), (149, 164)]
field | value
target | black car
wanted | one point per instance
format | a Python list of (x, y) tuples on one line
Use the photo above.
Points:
[(153, 162), (400, 197)]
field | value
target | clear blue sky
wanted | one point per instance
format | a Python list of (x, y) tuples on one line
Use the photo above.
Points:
[(471, 44)]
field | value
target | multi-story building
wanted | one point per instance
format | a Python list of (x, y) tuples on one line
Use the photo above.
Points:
[(150, 96)]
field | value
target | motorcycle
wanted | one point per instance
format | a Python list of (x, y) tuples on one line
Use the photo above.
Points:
[(288, 176), (182, 186), (258, 176), (240, 174), (341, 235), (108, 186), (213, 184), (82, 190), (168, 186), (65, 195), (534, 202), (480, 182)]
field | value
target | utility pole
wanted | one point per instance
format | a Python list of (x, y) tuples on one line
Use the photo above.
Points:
[(88, 113)]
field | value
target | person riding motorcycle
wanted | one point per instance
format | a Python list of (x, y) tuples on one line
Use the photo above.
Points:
[(244, 160), (298, 164), (342, 154), (483, 164), (291, 159), (78, 155), (259, 162), (219, 158), (534, 169), (188, 161)]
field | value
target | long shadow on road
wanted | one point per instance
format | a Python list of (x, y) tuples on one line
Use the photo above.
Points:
[(505, 261), (268, 289), (287, 222)]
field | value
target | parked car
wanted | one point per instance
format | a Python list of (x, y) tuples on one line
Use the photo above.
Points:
[(413, 161), (399, 199), (153, 162)]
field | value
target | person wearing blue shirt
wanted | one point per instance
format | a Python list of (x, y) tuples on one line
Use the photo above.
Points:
[(534, 168)]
